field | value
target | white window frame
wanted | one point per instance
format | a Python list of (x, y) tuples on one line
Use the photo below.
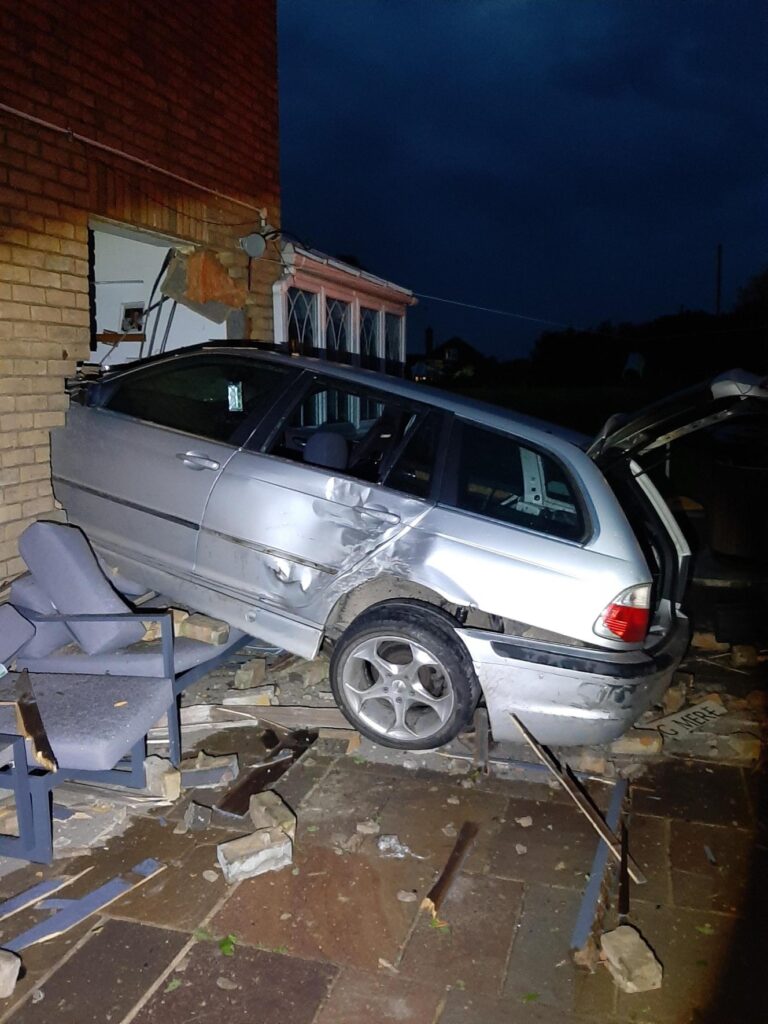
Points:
[(352, 297)]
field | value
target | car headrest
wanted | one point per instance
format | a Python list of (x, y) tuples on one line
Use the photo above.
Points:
[(325, 448)]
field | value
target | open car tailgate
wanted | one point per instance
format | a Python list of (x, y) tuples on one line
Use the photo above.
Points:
[(735, 393)]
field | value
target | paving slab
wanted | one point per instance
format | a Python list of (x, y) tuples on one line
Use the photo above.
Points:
[(740, 870), (331, 814), (299, 780), (39, 960), (649, 845), (179, 897), (105, 977), (691, 791), (540, 963), (343, 909), (382, 997), (559, 845), (481, 913), (419, 816), (472, 1008), (252, 985)]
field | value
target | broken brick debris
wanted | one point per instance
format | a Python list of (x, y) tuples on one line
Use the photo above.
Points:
[(10, 964), (210, 772), (631, 961), (251, 674), (744, 656), (196, 818), (638, 743), (268, 810), (161, 778), (268, 849), (704, 641), (205, 629), (152, 629)]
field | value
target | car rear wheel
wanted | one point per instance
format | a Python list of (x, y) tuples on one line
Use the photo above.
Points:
[(403, 678)]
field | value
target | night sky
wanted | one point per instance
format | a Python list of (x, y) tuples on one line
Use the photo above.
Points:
[(571, 160)]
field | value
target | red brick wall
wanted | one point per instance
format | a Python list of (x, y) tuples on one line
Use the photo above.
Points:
[(190, 87)]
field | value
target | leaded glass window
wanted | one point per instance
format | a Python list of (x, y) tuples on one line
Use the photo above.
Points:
[(337, 329), (369, 337), (302, 322), (392, 337)]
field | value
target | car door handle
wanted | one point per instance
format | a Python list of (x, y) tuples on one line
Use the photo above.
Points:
[(378, 512), (193, 460)]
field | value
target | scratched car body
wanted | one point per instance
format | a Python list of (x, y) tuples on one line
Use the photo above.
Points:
[(445, 551)]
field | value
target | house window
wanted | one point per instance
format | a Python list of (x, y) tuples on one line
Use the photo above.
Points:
[(369, 337), (393, 340), (337, 329), (301, 321)]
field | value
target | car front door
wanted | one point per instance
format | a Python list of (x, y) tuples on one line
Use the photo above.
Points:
[(135, 466), (288, 518)]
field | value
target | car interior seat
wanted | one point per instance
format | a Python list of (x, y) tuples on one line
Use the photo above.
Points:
[(325, 448)]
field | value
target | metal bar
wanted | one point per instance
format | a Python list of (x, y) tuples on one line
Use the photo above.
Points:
[(589, 900), (624, 875), (581, 800), (482, 740), (78, 910), (181, 682)]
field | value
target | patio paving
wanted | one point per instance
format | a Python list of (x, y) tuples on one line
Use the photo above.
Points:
[(328, 941)]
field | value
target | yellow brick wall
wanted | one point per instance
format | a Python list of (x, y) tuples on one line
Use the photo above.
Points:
[(182, 110)]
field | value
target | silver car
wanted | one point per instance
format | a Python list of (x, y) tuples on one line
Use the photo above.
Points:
[(445, 551)]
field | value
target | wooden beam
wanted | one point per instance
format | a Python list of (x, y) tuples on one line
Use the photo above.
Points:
[(434, 898)]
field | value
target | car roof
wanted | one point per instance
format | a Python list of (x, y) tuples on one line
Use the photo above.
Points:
[(479, 412)]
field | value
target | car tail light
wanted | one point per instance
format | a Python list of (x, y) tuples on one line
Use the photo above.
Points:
[(627, 616)]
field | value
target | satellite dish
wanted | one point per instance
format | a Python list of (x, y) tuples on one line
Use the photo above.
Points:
[(254, 245)]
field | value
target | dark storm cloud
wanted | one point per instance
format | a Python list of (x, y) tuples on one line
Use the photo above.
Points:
[(573, 160)]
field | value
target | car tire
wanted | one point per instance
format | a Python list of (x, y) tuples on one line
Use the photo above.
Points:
[(403, 678)]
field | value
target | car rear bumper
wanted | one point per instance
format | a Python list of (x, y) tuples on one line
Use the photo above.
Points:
[(569, 696)]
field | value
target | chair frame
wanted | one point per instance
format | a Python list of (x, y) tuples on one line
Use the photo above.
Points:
[(32, 786)]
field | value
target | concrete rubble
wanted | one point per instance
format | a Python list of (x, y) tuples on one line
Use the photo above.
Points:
[(205, 629), (251, 674), (630, 960), (162, 779), (209, 772), (255, 696), (10, 964), (268, 810), (268, 849)]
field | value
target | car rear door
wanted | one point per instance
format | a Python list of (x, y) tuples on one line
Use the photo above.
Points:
[(304, 503), (135, 466)]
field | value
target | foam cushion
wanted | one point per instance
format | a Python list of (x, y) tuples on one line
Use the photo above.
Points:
[(26, 592), (326, 449), (66, 568), (15, 632), (84, 727), (126, 586)]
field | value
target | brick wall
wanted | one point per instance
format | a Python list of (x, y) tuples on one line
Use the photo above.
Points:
[(191, 88)]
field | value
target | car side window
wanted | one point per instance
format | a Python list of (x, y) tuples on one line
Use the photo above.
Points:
[(209, 398), (414, 467), (349, 430), (502, 479)]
